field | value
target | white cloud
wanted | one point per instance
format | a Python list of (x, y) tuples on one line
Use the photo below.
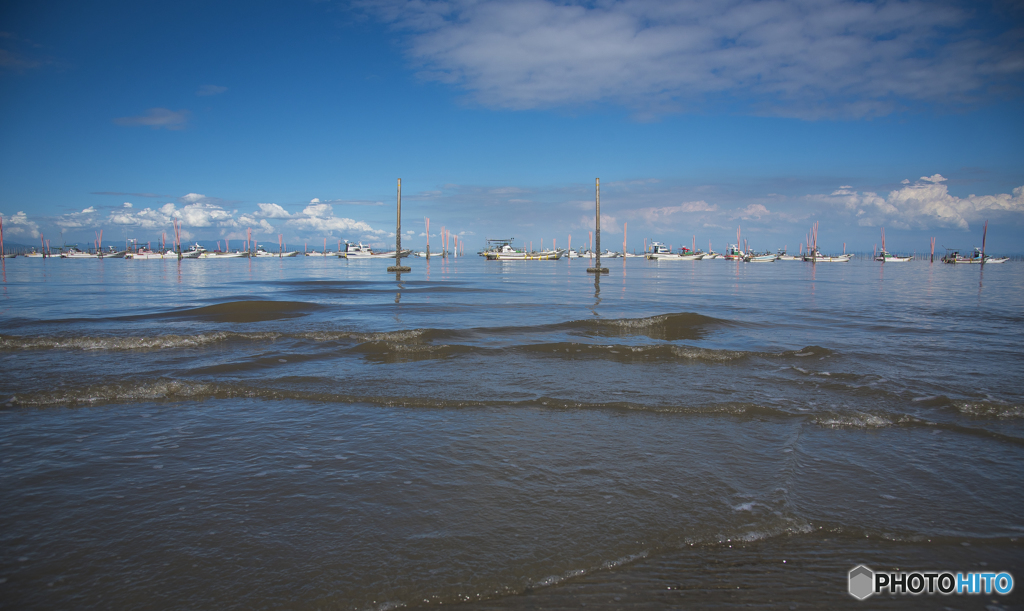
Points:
[(19, 224), (664, 214), (923, 205), (807, 58), (198, 214), (752, 212), (319, 217), (273, 211), (77, 220), (127, 204), (157, 118)]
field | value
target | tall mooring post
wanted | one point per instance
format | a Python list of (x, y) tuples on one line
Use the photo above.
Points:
[(597, 269), (397, 268)]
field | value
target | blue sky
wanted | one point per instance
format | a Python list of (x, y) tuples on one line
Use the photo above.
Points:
[(297, 117)]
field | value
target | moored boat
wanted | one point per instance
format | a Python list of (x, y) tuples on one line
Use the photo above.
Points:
[(661, 252), (954, 256), (817, 257), (507, 253), (887, 257)]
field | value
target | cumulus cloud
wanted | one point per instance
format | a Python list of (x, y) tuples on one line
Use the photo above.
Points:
[(319, 217), (19, 224), (752, 212), (77, 220), (924, 204), (199, 213), (157, 118), (273, 211), (806, 58)]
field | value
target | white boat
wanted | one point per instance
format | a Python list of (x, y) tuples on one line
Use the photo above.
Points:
[(74, 253), (711, 255), (817, 257), (762, 258), (507, 253), (734, 253), (954, 256), (358, 251), (149, 254), (887, 257), (630, 255), (34, 254), (261, 252), (572, 254), (782, 256), (661, 252)]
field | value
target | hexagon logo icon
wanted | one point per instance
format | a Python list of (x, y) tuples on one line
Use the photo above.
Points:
[(861, 582)]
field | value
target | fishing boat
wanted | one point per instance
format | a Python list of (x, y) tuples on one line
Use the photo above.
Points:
[(261, 252), (954, 256), (359, 251), (144, 253), (887, 257), (781, 255), (817, 257), (74, 253), (507, 253), (734, 253), (34, 254), (661, 252), (762, 258)]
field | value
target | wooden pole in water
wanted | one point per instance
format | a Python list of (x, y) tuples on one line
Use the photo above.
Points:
[(597, 269), (427, 222), (397, 267), (932, 260), (984, 234), (2, 239)]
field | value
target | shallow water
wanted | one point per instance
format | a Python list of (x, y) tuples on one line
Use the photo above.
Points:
[(312, 433)]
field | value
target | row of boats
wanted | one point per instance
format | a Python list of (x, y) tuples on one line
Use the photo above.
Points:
[(196, 251), (505, 252), (659, 251)]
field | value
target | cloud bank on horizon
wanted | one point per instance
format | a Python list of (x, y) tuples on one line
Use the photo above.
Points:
[(924, 204), (802, 58)]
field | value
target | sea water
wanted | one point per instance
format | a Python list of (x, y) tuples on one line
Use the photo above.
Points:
[(315, 433)]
